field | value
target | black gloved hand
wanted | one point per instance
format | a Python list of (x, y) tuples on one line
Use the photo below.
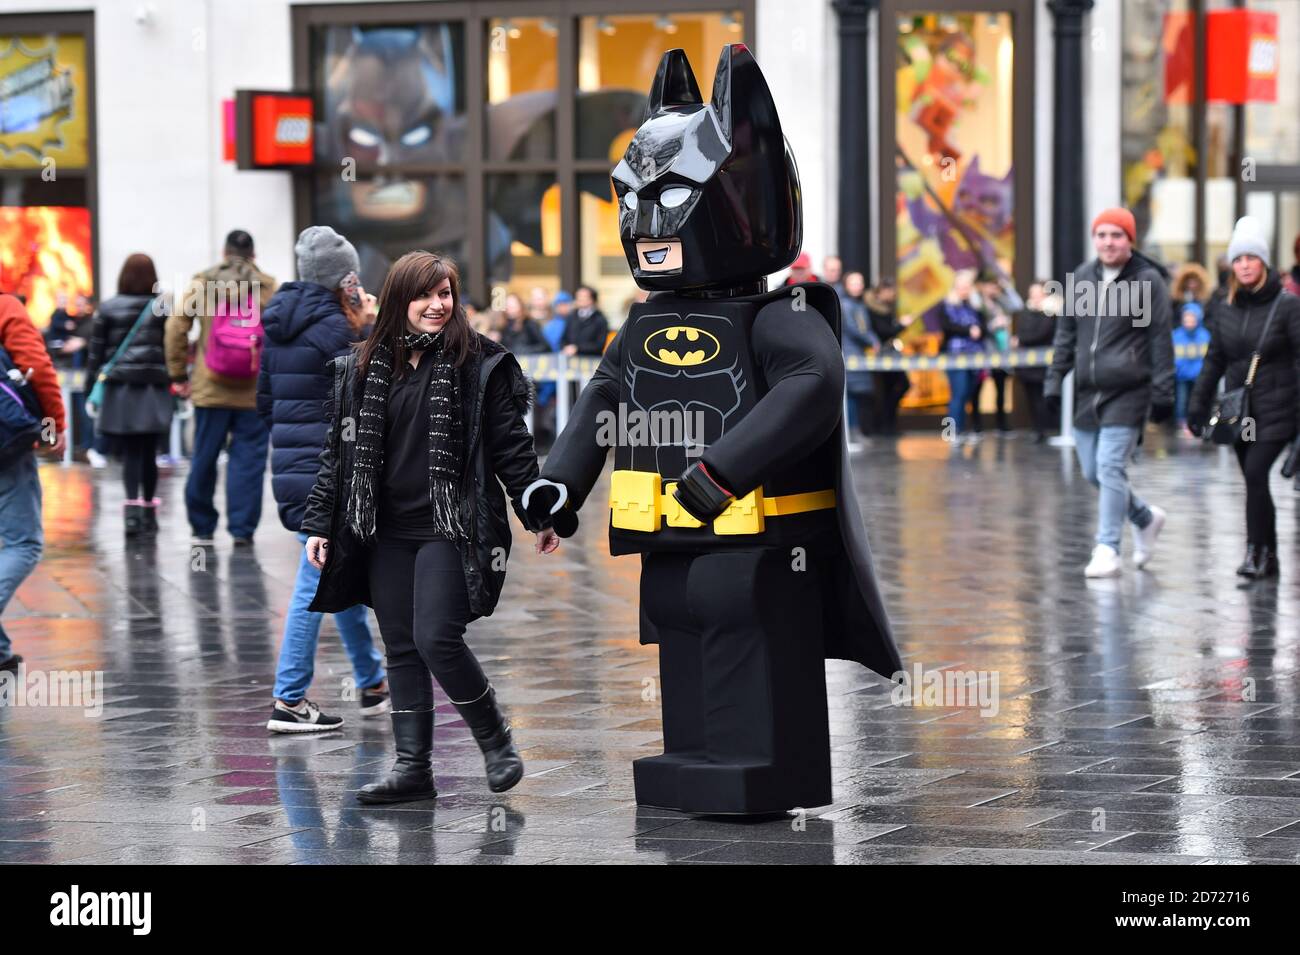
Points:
[(1161, 413), (539, 503), (701, 496), (1196, 424)]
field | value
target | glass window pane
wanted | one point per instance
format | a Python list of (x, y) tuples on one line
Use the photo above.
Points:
[(521, 81), (617, 59), (386, 217), (389, 96), (1272, 129), (523, 234), (1159, 157)]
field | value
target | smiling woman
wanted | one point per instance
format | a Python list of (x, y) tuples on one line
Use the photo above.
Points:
[(408, 515)]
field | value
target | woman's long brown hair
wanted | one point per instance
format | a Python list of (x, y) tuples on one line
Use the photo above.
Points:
[(412, 276)]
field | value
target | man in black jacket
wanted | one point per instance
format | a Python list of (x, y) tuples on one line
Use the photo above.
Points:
[(587, 327), (1115, 334)]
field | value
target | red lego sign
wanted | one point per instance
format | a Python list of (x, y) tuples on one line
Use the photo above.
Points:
[(1241, 56), (274, 130)]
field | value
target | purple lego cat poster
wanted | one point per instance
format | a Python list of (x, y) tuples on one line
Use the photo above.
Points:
[(955, 197)]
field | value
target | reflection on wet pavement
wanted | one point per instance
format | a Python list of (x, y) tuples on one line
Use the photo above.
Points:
[(1148, 719)]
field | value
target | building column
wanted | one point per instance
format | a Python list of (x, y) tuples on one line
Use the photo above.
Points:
[(1069, 217), (854, 203)]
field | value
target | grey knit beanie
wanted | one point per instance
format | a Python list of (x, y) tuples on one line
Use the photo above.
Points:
[(1248, 239), (324, 256)]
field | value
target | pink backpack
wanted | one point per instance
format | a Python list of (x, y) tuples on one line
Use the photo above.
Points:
[(234, 346)]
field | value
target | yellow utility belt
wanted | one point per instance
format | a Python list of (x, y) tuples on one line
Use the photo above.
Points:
[(640, 501)]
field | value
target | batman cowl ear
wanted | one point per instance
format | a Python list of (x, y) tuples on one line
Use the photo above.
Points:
[(674, 83), (740, 93)]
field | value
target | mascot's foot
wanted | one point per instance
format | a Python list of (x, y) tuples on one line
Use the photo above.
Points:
[(692, 783)]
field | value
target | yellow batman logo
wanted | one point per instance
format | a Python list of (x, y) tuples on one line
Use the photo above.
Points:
[(682, 346)]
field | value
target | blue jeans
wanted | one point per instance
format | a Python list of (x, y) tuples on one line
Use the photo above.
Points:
[(21, 536), (961, 383), (1182, 394), (244, 470), (1103, 457), (302, 629)]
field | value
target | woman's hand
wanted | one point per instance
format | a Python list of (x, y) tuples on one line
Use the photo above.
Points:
[(316, 548), (547, 541)]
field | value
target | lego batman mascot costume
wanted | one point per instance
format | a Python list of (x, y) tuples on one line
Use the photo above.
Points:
[(755, 565)]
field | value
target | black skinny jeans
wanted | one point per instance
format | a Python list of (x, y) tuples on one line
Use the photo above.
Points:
[(419, 595), (139, 465), (1256, 459)]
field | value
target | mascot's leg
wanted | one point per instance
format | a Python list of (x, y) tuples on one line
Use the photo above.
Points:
[(665, 621), (758, 617)]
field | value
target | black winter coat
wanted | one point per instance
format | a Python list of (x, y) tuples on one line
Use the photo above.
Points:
[(144, 362), (305, 328), (1033, 329), (1236, 331), (1123, 364), (588, 333), (498, 449)]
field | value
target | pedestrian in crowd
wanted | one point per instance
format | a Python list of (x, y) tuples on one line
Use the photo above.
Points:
[(521, 335), (587, 328), (857, 337), (889, 386), (410, 517), (1033, 327), (28, 377), (998, 306), (962, 322), (135, 411), (833, 273), (561, 306), (309, 322), (1191, 283), (1123, 362), (1256, 317), (1192, 336), (67, 338), (1291, 281), (801, 270), (226, 302)]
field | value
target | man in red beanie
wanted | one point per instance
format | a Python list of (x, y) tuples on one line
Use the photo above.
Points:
[(1116, 336)]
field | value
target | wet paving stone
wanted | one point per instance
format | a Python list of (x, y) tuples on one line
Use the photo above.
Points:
[(1150, 719)]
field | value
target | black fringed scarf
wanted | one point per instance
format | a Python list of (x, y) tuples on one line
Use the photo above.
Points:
[(446, 442)]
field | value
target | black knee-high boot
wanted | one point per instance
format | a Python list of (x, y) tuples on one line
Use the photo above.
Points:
[(492, 733), (412, 775)]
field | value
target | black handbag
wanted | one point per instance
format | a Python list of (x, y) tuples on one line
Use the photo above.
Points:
[(1232, 410)]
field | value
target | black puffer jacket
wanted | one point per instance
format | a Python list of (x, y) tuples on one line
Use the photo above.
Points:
[(1236, 331), (144, 362), (498, 449), (1123, 364)]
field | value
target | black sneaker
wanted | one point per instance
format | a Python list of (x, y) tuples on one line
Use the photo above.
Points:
[(305, 718), (11, 665), (374, 700)]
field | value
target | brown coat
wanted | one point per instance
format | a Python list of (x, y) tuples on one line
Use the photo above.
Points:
[(210, 390)]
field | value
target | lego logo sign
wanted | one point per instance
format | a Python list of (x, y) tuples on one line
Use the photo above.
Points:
[(273, 130), (1241, 56), (1263, 57), (293, 131)]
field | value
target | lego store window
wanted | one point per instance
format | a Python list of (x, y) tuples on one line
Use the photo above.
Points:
[(523, 234), (617, 59), (45, 207), (1157, 147), (391, 140), (521, 83), (953, 159)]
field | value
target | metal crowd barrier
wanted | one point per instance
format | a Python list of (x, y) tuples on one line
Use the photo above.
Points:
[(563, 369)]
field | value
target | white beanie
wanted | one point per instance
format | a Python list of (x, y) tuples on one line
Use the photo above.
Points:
[(1248, 239)]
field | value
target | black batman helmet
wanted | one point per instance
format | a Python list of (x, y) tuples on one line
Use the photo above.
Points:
[(708, 193)]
